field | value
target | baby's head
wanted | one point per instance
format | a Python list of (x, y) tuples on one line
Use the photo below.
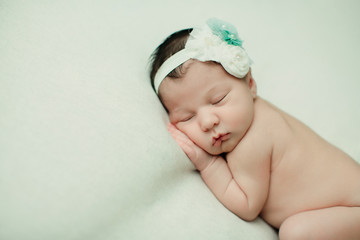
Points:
[(173, 44), (217, 41), (203, 78)]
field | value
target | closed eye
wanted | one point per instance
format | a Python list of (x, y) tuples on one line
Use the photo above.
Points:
[(186, 119), (219, 99)]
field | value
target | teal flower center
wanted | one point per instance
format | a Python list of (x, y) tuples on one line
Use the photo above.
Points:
[(225, 31)]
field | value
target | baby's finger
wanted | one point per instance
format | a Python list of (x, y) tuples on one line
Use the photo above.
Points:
[(172, 128), (189, 151), (184, 142), (181, 141), (175, 132)]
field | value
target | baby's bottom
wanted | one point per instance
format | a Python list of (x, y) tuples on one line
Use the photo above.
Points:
[(328, 223)]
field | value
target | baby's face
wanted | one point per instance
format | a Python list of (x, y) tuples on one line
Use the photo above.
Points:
[(213, 108)]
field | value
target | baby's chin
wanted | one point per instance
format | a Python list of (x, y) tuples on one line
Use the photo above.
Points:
[(226, 147), (215, 153), (219, 151)]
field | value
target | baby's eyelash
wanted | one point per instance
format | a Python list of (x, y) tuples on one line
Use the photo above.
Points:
[(219, 100), (186, 119)]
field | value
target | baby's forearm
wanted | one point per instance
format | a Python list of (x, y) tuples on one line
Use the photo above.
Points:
[(219, 179)]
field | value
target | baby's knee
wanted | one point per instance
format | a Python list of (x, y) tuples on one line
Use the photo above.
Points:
[(294, 228)]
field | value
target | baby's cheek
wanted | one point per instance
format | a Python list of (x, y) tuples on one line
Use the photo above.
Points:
[(199, 140), (242, 119), (196, 136), (181, 127), (187, 129)]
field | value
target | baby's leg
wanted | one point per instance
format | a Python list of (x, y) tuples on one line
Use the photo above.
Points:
[(327, 223)]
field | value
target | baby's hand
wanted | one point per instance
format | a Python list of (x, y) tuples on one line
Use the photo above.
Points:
[(197, 155)]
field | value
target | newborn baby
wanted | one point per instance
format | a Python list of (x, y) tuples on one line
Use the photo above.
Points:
[(255, 158)]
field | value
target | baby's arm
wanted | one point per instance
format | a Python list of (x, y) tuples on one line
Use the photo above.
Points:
[(216, 174), (219, 179)]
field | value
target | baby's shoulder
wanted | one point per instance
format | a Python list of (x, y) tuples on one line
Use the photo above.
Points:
[(270, 122), (271, 131), (257, 143)]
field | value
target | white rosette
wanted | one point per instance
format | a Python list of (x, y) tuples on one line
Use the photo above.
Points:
[(205, 46)]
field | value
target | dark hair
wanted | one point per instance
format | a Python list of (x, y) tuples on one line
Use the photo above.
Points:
[(173, 44)]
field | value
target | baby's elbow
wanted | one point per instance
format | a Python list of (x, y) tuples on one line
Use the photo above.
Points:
[(250, 216)]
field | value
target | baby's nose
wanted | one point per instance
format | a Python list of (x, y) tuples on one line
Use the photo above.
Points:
[(208, 121)]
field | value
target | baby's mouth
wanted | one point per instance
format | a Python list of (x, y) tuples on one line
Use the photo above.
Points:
[(216, 141)]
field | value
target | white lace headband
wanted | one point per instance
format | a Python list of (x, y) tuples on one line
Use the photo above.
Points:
[(217, 41)]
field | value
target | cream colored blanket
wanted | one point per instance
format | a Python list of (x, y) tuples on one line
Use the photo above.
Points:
[(84, 150)]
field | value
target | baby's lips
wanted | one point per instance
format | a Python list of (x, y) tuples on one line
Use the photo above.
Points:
[(221, 138)]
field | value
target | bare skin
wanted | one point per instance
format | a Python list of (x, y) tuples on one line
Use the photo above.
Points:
[(275, 166)]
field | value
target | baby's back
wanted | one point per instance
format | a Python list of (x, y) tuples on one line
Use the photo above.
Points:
[(306, 171)]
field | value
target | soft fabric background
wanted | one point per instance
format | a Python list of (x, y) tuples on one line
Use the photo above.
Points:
[(84, 151)]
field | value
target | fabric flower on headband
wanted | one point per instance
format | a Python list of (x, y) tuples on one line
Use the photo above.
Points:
[(219, 41), (225, 31)]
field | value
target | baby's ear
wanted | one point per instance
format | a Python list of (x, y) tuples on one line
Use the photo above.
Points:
[(251, 83)]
